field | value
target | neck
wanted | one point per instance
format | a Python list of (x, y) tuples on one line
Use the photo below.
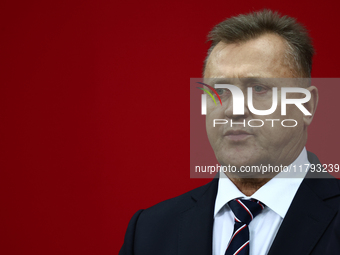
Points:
[(248, 186)]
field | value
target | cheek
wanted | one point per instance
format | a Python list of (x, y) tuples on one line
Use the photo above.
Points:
[(294, 113), (213, 113), (278, 136), (263, 103), (214, 133)]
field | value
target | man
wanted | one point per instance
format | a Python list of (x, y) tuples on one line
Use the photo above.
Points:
[(259, 51)]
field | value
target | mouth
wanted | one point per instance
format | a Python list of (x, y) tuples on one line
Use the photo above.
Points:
[(237, 135)]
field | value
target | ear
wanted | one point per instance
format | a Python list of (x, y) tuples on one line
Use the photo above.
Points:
[(311, 105)]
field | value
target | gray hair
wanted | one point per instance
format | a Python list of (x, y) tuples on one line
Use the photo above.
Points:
[(299, 53)]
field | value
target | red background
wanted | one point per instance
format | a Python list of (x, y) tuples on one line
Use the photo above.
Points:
[(95, 112)]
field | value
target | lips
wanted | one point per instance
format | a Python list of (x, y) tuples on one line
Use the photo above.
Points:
[(236, 132), (237, 135)]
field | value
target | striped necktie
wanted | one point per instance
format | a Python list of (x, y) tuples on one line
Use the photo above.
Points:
[(244, 212)]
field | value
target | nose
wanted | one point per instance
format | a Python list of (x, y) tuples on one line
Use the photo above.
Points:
[(230, 111)]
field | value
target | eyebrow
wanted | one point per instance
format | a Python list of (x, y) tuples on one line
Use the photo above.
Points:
[(248, 80), (213, 81), (244, 80)]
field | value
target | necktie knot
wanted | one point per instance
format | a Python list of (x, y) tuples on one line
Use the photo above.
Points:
[(245, 210)]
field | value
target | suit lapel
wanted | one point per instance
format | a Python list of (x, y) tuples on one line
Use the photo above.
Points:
[(305, 222), (307, 217), (195, 233)]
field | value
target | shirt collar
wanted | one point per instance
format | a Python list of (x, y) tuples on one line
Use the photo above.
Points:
[(277, 194)]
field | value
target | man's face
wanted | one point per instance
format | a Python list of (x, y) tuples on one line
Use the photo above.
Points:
[(244, 65)]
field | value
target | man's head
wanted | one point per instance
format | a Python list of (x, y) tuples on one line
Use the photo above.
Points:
[(299, 50), (261, 51)]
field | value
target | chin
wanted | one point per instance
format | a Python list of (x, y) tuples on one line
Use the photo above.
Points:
[(238, 158)]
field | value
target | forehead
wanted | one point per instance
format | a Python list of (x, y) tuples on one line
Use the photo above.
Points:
[(260, 57)]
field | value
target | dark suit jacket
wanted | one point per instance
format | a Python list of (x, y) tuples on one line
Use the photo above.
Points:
[(183, 225)]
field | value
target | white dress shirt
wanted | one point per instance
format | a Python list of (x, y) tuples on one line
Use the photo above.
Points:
[(277, 194)]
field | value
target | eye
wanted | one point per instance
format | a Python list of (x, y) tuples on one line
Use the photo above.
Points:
[(222, 93), (259, 89), (219, 91)]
